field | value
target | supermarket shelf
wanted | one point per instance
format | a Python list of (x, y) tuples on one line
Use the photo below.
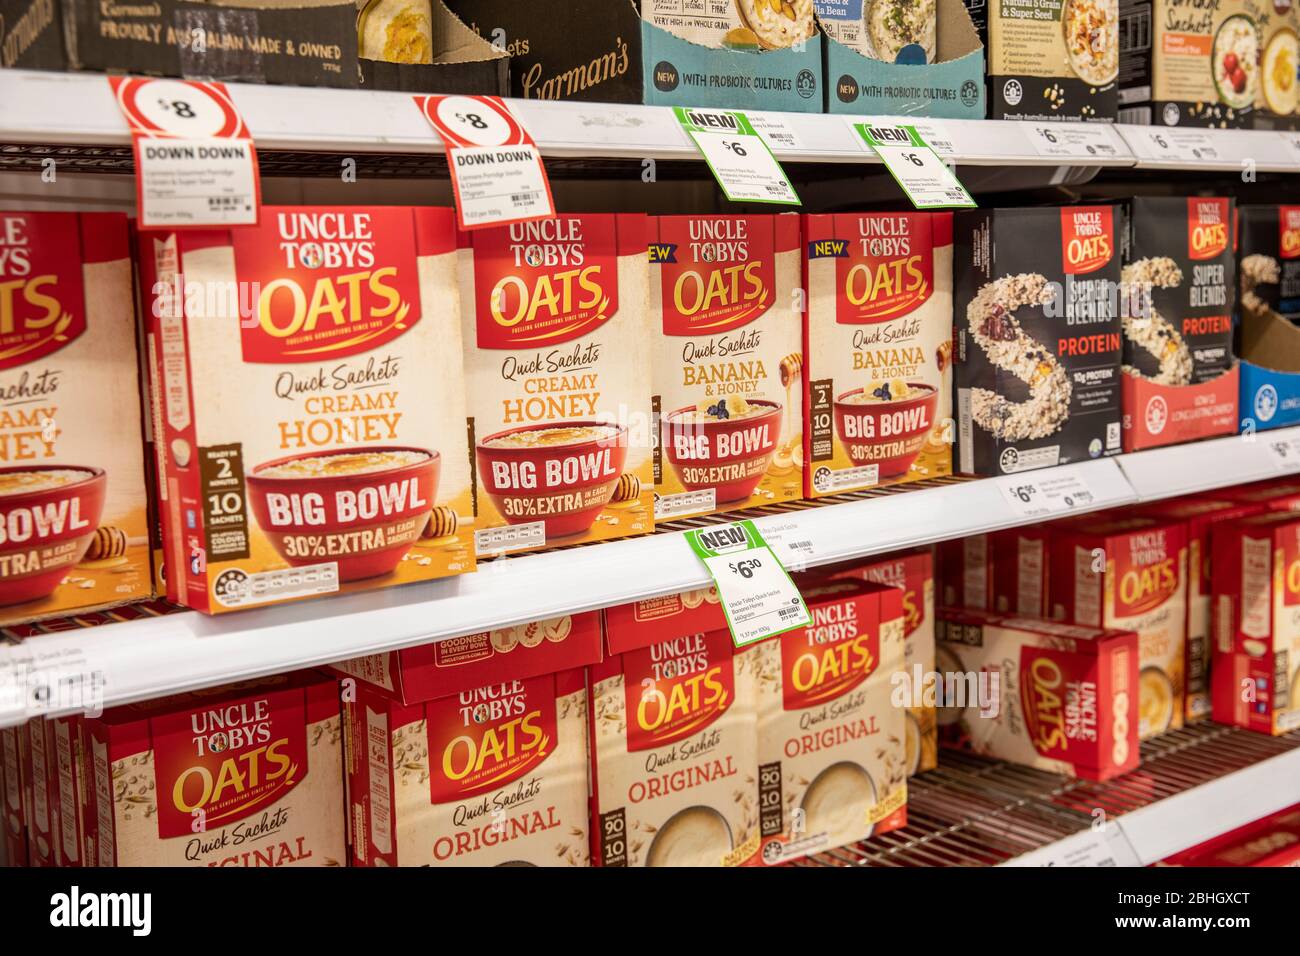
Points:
[(61, 112), (1194, 784), (1217, 463)]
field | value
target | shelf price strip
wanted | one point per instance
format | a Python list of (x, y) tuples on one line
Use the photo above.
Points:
[(740, 159), (195, 162), (915, 166), (496, 169), (757, 595)]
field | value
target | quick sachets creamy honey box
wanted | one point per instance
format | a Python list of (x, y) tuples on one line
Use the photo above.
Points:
[(73, 502), (307, 374)]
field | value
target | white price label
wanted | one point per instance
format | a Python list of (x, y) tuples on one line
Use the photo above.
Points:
[(1048, 492), (915, 166), (758, 597), (1284, 453), (1107, 845), (1293, 144), (775, 130), (496, 169), (740, 159), (48, 677), (1178, 146), (1084, 141)]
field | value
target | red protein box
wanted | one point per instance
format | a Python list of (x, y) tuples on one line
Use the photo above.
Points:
[(1059, 697), (1004, 571), (1255, 675), (1273, 841)]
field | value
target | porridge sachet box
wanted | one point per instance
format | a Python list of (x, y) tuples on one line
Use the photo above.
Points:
[(556, 321), (877, 349), (17, 797), (1255, 673), (73, 501), (728, 362), (308, 378), (1003, 571), (1038, 331), (248, 774), (1130, 572), (1179, 291), (54, 766), (1054, 696)]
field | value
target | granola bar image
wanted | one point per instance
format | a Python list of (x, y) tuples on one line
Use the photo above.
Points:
[(1257, 270), (993, 324), (1148, 329)]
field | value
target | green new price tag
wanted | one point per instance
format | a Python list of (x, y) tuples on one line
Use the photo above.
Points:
[(740, 159), (915, 166), (757, 594)]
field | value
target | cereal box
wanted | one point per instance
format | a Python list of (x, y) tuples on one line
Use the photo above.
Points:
[(73, 504), (912, 572), (309, 376), (1279, 54), (1058, 697), (1130, 573), (877, 349), (1038, 337), (1003, 571), (832, 762), (1273, 841), (735, 24), (672, 712), (1255, 674), (492, 775), (556, 322), (17, 793), (728, 362), (893, 31), (250, 774), (1269, 260), (1278, 495)]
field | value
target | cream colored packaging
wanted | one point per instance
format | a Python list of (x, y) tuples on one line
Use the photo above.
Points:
[(878, 358), (1275, 92), (739, 24), (883, 29), (832, 757), (728, 362)]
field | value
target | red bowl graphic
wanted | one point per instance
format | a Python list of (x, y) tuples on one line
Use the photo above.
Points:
[(563, 486), (46, 531), (888, 434), (364, 521), (729, 455)]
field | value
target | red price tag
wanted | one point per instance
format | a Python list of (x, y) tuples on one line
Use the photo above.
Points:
[(195, 162), (496, 169)]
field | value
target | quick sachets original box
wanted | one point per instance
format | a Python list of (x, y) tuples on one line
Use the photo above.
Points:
[(1059, 697), (73, 502), (309, 382)]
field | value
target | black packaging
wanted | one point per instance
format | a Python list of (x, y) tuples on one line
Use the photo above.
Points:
[(31, 35), (452, 57), (1269, 259)]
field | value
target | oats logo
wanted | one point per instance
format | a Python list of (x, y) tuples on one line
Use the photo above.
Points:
[(128, 910)]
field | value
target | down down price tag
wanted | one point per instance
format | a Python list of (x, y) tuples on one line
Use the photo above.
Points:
[(757, 594), (195, 162)]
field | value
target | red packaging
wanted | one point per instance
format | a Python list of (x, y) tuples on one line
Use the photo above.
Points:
[(13, 786), (1273, 841), (1282, 494), (1003, 571), (1255, 674)]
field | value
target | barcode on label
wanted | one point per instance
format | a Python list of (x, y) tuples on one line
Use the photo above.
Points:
[(520, 198), (786, 613), (804, 545)]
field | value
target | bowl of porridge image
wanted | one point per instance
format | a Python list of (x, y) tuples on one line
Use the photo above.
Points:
[(361, 508), (48, 517), (726, 445), (886, 424), (561, 474)]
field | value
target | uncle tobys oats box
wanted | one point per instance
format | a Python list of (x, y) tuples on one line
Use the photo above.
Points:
[(877, 349), (556, 319), (1255, 674), (249, 774), (73, 504), (672, 712), (832, 764), (728, 362), (308, 373), (1130, 573), (1002, 571), (1058, 697), (16, 794)]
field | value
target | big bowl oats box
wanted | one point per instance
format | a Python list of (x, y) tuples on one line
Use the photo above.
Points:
[(1055, 696), (1181, 379), (16, 793), (877, 349), (1200, 515), (832, 764), (1255, 674), (1268, 264), (1038, 337), (557, 370), (248, 774), (72, 487), (1051, 60), (1189, 62), (1003, 571), (1130, 573), (912, 573), (728, 362), (309, 377), (672, 715)]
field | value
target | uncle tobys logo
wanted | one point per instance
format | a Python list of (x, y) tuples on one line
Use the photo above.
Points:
[(1059, 710), (1087, 238), (1207, 228), (1288, 221), (544, 282), (1146, 573), (331, 282), (717, 273), (676, 688), (829, 658), (888, 271), (42, 296)]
